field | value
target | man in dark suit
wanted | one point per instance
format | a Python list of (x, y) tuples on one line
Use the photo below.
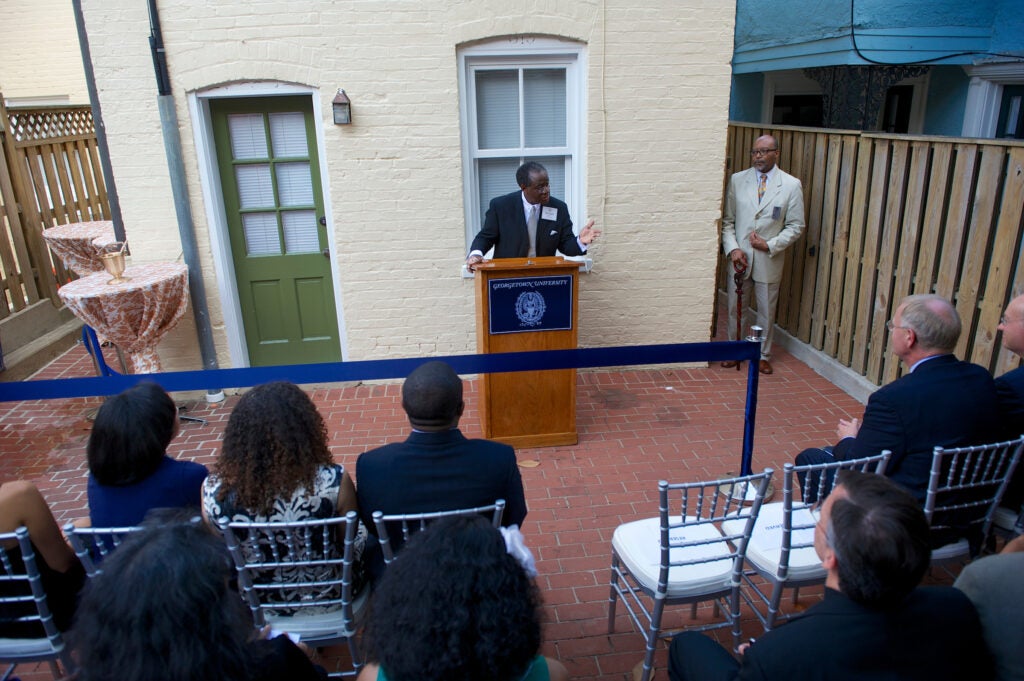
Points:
[(875, 622), (1010, 393), (437, 468), (529, 223), (941, 401)]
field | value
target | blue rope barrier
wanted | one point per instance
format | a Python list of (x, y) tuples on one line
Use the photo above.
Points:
[(369, 370)]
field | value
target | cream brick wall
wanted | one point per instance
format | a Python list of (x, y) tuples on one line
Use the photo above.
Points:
[(657, 89), (39, 54)]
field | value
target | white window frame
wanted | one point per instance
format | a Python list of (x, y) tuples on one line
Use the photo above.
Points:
[(529, 51), (985, 95)]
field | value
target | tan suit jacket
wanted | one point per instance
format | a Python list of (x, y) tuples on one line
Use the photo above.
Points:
[(778, 217)]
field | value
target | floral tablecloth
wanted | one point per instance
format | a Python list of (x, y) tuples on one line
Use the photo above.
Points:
[(79, 244), (136, 314)]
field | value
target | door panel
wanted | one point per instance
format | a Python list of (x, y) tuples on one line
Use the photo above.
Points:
[(312, 315), (268, 162)]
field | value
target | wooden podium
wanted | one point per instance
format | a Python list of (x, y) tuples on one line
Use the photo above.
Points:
[(526, 304)]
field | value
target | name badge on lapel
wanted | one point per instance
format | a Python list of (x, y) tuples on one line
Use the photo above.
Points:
[(776, 212), (548, 213)]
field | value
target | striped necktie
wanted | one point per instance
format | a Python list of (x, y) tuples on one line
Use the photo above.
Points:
[(761, 186)]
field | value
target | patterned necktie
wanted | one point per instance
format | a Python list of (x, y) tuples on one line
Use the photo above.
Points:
[(531, 230), (761, 186)]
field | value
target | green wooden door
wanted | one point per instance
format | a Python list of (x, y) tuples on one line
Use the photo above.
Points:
[(270, 175)]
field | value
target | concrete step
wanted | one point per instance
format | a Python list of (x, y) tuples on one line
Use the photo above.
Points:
[(34, 337)]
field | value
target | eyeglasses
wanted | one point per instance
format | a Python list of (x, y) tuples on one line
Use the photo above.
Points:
[(762, 152), (1004, 320), (890, 325)]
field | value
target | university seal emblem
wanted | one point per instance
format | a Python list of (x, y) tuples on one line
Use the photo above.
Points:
[(530, 308)]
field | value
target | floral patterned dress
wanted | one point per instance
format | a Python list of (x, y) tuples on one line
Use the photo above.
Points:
[(320, 503)]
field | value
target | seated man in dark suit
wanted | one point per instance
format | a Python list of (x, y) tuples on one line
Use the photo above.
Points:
[(529, 223), (437, 468), (1010, 393), (941, 401), (874, 622)]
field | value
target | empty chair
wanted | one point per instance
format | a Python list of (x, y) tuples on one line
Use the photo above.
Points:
[(23, 601), (294, 577), (93, 544), (781, 548), (683, 556), (965, 487), (406, 524)]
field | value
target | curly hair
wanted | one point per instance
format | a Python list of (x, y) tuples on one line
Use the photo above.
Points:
[(454, 606), (274, 441), (130, 435), (163, 609)]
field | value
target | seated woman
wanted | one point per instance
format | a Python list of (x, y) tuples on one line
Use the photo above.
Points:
[(129, 470), (456, 606), (21, 504), (164, 608), (274, 464)]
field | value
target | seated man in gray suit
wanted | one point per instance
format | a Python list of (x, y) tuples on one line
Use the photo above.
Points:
[(874, 623), (994, 585)]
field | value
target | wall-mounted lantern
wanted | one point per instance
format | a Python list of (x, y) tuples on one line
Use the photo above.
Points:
[(342, 108)]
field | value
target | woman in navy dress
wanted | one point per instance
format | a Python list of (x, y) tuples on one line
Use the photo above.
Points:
[(130, 472)]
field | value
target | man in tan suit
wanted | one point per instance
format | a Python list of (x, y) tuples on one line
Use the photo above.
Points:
[(764, 214)]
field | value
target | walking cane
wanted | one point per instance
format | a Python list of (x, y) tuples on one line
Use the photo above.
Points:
[(737, 278)]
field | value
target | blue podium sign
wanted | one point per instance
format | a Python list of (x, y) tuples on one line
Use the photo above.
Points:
[(530, 304)]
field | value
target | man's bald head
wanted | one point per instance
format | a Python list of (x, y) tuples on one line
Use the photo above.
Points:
[(432, 397), (1012, 326)]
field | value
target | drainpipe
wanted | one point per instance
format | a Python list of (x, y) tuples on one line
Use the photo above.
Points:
[(182, 206), (97, 119)]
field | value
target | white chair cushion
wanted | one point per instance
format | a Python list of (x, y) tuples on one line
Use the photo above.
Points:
[(638, 544), (320, 625), (764, 550), (951, 551), (1004, 518), (17, 647)]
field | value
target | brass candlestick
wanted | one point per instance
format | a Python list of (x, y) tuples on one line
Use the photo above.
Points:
[(114, 264)]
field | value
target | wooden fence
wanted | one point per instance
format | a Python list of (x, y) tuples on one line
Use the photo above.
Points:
[(893, 215), (50, 175)]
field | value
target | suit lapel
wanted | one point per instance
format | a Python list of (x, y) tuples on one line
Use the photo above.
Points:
[(751, 188), (522, 234), (773, 187)]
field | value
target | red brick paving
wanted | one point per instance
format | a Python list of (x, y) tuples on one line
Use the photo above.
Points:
[(636, 427)]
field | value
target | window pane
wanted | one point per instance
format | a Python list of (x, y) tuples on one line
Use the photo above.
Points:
[(497, 109), (288, 134), (544, 107), (1012, 117), (497, 177), (255, 189), (556, 174), (260, 231), (294, 185), (248, 138), (300, 235)]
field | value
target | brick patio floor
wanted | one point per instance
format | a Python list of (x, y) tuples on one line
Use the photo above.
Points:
[(636, 427)]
